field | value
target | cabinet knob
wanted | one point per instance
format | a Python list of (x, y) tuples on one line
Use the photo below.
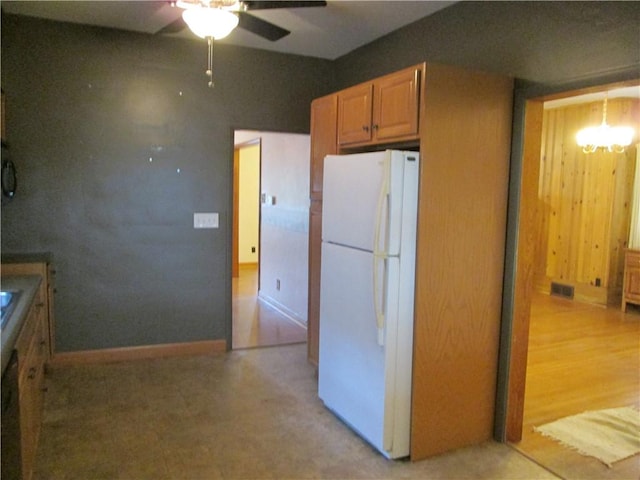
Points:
[(32, 373), (365, 128), (375, 126)]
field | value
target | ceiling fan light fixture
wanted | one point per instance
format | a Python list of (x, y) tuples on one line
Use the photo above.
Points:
[(210, 22)]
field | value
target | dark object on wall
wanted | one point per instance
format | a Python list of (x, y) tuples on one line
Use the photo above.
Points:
[(9, 181)]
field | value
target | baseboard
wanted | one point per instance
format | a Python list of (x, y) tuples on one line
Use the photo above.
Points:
[(583, 292), (106, 355)]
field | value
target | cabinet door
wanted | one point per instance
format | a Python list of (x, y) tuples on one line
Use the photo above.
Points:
[(30, 395), (354, 114), (395, 108), (324, 115), (631, 283)]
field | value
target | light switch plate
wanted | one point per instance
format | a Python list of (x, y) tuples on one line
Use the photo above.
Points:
[(205, 220)]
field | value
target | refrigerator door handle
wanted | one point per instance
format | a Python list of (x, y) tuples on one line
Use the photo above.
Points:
[(377, 294), (380, 254)]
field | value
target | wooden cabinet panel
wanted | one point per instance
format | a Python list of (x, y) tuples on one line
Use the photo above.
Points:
[(631, 283), (324, 119), (354, 114), (313, 314), (395, 107), (324, 113), (460, 257)]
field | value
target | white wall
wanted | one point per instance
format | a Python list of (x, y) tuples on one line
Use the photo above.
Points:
[(284, 227), (248, 203)]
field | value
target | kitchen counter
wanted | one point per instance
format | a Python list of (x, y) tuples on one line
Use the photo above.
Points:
[(30, 257), (28, 286)]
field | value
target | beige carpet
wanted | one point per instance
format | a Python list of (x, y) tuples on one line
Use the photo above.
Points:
[(608, 435)]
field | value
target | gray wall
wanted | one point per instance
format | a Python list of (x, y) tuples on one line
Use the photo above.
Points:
[(548, 43), (86, 110)]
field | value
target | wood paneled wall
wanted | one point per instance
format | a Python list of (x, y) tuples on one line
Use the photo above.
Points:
[(585, 203)]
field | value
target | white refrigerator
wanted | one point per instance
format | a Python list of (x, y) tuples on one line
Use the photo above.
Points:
[(369, 217)]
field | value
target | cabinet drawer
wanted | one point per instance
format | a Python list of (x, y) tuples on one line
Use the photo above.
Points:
[(632, 259)]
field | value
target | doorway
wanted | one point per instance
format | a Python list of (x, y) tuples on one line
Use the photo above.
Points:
[(269, 250), (528, 340)]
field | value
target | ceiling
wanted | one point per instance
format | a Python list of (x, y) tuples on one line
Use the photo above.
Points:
[(625, 92), (325, 32)]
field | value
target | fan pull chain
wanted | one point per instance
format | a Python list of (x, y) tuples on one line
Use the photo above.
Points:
[(209, 71)]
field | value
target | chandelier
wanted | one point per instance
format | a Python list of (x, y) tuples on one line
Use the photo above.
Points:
[(613, 139)]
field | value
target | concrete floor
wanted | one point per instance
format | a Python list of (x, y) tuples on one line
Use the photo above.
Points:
[(250, 414)]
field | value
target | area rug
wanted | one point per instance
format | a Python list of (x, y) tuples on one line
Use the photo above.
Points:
[(608, 435)]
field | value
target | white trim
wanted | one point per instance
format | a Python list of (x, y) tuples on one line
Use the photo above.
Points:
[(634, 230)]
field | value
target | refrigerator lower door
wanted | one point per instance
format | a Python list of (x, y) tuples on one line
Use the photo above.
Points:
[(356, 375)]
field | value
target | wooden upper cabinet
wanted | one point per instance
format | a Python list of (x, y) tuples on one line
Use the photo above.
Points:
[(324, 113), (384, 110), (354, 114), (395, 105)]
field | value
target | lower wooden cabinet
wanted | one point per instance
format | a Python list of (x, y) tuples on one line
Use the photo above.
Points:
[(33, 351), (44, 268), (631, 283)]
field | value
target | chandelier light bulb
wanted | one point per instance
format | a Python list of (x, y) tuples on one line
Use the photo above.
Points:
[(613, 139)]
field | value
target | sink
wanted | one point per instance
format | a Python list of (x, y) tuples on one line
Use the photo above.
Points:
[(8, 300)]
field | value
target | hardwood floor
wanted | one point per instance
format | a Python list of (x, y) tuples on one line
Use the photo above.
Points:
[(581, 357), (255, 322)]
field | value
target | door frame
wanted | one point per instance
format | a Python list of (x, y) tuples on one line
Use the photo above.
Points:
[(521, 237)]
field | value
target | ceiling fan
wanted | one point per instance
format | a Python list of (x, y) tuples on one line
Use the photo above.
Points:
[(232, 9)]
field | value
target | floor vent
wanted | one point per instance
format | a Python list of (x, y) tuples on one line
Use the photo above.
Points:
[(561, 290)]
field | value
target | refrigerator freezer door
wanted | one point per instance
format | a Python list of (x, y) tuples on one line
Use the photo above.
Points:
[(351, 189)]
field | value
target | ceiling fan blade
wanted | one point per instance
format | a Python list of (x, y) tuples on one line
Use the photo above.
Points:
[(174, 27), (261, 27), (259, 5)]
